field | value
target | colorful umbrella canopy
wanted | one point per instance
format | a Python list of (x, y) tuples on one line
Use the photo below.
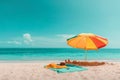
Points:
[(87, 41)]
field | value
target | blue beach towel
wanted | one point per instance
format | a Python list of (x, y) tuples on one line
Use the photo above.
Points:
[(70, 68)]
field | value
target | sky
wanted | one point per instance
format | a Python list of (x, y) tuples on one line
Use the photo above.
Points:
[(48, 23)]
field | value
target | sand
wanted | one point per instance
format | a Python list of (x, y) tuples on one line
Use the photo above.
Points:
[(36, 71)]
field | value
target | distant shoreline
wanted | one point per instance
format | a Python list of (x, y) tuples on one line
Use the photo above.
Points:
[(42, 61)]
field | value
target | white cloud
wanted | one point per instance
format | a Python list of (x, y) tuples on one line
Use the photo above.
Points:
[(65, 36), (27, 38), (14, 42), (55, 41), (48, 42), (11, 42), (39, 41)]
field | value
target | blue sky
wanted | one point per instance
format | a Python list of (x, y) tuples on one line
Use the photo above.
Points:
[(48, 23)]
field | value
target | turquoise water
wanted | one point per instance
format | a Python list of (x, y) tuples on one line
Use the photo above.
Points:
[(28, 54)]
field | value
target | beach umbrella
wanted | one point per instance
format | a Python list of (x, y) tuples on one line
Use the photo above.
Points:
[(87, 41)]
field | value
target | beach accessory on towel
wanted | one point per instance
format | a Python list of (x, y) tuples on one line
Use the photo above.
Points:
[(53, 65)]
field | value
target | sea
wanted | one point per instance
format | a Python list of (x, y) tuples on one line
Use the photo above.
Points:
[(40, 54)]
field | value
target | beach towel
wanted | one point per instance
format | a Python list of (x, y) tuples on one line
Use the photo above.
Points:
[(69, 68)]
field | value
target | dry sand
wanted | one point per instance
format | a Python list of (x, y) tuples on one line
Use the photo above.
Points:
[(36, 71)]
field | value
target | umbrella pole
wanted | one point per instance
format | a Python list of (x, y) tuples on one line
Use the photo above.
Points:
[(85, 55)]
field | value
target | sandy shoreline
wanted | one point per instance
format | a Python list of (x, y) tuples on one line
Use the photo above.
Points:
[(36, 71)]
